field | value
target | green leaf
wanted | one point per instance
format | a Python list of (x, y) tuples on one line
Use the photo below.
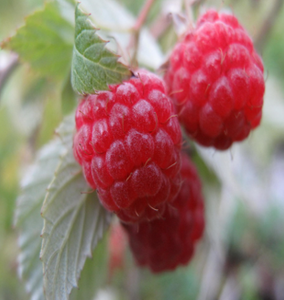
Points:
[(74, 222), (45, 41), (94, 274), (94, 67), (28, 219), (30, 223)]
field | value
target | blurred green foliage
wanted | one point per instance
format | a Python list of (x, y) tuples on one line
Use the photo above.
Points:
[(273, 52)]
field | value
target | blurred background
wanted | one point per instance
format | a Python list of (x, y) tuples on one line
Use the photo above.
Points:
[(242, 253)]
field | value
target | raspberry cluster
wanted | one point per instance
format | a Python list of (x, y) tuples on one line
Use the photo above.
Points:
[(128, 139), (168, 242), (215, 78), (128, 142)]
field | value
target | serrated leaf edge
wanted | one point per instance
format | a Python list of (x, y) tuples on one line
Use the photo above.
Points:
[(105, 42), (96, 236)]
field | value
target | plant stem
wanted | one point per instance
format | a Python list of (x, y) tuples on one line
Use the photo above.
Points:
[(137, 27), (143, 15)]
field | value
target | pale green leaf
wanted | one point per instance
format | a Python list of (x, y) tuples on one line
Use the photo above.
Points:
[(30, 223), (94, 67), (67, 9), (109, 15), (149, 52), (65, 131), (94, 273), (74, 222), (45, 42), (28, 218)]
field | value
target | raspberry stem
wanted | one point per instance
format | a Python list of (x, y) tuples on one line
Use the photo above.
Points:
[(143, 14), (136, 28)]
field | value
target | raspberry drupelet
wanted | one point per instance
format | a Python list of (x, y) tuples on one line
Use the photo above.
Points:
[(128, 142), (166, 243), (215, 78)]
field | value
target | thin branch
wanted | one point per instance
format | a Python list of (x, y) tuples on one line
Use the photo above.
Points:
[(267, 25), (143, 15), (137, 27)]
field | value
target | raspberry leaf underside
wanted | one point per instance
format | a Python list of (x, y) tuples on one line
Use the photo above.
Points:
[(65, 131), (94, 273), (74, 222), (94, 67), (28, 219), (79, 234)]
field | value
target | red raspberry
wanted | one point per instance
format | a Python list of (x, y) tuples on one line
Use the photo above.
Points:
[(215, 78), (165, 243), (128, 142)]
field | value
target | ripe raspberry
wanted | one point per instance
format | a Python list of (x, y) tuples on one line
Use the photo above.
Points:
[(128, 142), (215, 78), (165, 243)]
